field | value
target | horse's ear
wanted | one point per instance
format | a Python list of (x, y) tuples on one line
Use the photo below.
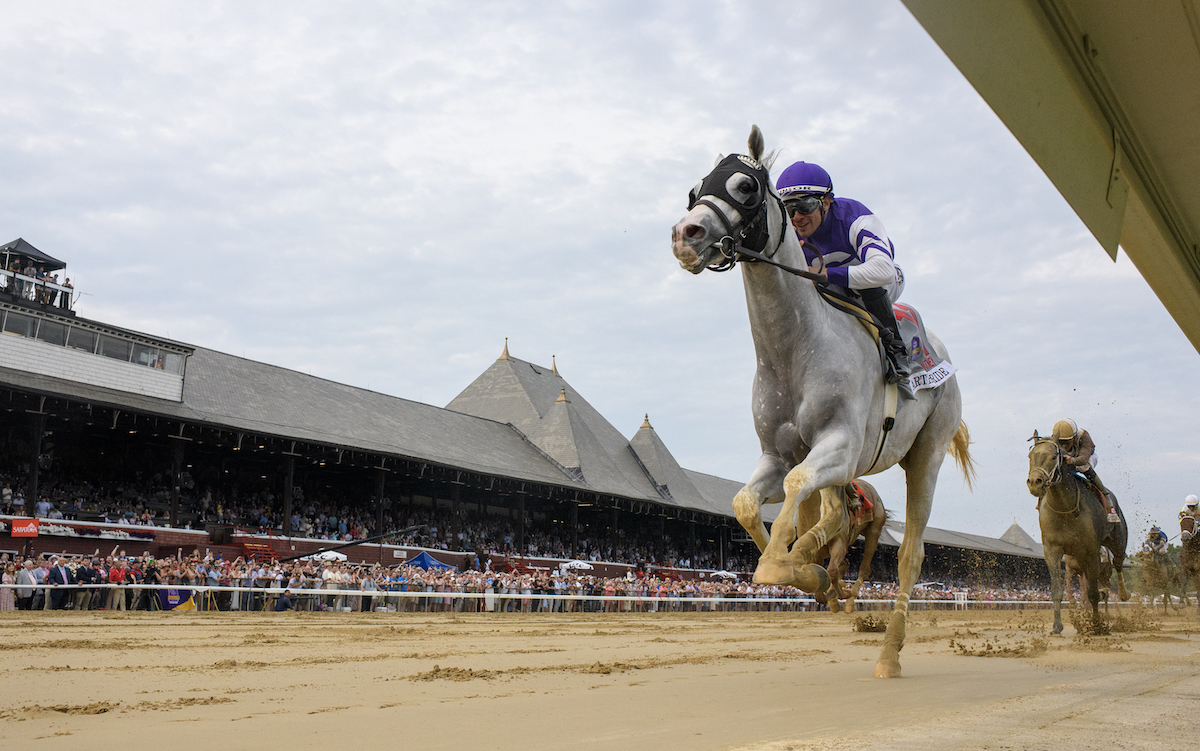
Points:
[(719, 158), (1035, 435), (755, 143)]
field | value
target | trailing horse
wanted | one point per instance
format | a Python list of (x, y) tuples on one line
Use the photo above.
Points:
[(1074, 523), (1161, 574), (869, 525), (819, 400), (1189, 557)]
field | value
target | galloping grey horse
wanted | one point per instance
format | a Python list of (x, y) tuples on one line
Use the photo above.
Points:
[(819, 399)]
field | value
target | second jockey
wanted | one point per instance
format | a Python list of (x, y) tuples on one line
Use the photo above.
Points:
[(854, 246), (1079, 451)]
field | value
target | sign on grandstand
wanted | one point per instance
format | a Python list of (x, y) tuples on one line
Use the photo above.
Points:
[(24, 528)]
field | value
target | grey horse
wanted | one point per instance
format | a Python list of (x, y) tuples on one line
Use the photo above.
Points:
[(819, 399)]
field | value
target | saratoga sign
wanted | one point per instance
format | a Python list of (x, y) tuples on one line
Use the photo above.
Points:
[(24, 528)]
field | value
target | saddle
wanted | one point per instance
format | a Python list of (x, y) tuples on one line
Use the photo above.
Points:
[(858, 507)]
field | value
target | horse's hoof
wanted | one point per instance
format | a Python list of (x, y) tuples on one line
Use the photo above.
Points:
[(848, 606), (887, 669), (835, 606), (813, 578), (775, 572)]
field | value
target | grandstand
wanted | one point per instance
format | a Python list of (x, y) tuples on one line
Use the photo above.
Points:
[(192, 433)]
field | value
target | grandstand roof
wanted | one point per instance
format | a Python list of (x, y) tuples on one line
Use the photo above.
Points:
[(555, 436), (1021, 538), (540, 403)]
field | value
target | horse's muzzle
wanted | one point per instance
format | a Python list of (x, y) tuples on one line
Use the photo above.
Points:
[(1036, 485)]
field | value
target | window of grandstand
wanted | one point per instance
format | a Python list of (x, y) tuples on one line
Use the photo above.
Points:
[(77, 337), (52, 333), (81, 339), (117, 349), (15, 323)]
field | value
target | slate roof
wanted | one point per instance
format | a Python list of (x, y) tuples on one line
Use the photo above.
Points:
[(540, 403), (555, 437), (1019, 537), (240, 394)]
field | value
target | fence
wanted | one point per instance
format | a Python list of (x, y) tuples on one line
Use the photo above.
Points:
[(173, 597)]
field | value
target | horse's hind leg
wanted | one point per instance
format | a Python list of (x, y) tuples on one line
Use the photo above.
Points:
[(869, 545), (1118, 566), (837, 569)]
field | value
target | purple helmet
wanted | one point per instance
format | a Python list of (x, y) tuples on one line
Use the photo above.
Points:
[(804, 178)]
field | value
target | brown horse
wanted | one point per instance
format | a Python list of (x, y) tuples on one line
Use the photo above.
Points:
[(1161, 574), (1189, 534), (868, 524), (1074, 523)]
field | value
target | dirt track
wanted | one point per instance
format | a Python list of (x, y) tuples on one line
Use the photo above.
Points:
[(581, 682)]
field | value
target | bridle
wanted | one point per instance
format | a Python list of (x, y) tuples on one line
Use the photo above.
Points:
[(1054, 476), (747, 244)]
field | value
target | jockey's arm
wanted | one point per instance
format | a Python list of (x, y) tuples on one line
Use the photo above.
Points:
[(876, 271)]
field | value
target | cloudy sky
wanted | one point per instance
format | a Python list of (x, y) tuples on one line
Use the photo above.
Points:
[(380, 193)]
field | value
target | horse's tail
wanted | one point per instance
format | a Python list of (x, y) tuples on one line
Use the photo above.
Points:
[(960, 450)]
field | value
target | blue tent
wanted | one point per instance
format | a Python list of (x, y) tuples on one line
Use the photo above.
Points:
[(426, 561)]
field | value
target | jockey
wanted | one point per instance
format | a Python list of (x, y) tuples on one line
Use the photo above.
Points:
[(1190, 508), (1156, 541), (1189, 511), (1080, 454), (855, 250)]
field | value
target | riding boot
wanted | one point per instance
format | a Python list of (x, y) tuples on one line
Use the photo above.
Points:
[(876, 302), (1109, 499)]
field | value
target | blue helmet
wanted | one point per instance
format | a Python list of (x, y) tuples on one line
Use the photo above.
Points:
[(804, 178)]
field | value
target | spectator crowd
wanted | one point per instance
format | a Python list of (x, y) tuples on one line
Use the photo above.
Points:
[(120, 584)]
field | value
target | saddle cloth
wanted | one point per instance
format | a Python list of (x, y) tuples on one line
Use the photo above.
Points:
[(927, 369)]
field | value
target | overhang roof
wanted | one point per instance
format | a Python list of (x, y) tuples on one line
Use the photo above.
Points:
[(1105, 96), (893, 535), (21, 247)]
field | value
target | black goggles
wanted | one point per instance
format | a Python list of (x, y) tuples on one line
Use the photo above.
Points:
[(803, 204)]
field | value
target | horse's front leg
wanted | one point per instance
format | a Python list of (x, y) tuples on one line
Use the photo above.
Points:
[(1054, 557), (778, 565), (765, 486), (837, 569)]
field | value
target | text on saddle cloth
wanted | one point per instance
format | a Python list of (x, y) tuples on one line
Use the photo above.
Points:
[(927, 369)]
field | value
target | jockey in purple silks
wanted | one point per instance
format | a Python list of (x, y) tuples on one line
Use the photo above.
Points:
[(855, 248)]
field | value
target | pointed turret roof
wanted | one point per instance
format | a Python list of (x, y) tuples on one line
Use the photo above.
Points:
[(538, 402), (1014, 535), (663, 468)]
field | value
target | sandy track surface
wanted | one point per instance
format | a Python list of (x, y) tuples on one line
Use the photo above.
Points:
[(766, 682)]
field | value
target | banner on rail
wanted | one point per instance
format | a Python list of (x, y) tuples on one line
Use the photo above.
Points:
[(176, 599)]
